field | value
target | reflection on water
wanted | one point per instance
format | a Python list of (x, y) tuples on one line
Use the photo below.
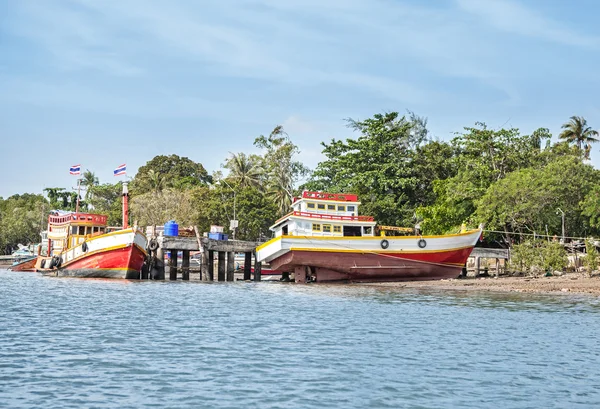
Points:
[(119, 344)]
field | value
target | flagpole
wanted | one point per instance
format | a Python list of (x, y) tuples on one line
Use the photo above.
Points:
[(78, 192)]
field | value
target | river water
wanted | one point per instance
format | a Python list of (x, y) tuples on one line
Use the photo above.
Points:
[(81, 343)]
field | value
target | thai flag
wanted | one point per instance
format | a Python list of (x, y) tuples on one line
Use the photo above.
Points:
[(121, 170), (75, 170)]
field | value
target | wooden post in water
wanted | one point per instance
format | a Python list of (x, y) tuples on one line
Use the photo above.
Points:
[(221, 266), (205, 264), (159, 267), (173, 265), (477, 265), (497, 267), (185, 265), (247, 265), (211, 265), (257, 269), (230, 265)]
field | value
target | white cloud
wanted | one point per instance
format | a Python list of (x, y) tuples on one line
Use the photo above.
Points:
[(515, 18)]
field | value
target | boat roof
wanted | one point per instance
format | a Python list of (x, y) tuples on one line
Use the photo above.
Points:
[(334, 197), (78, 218)]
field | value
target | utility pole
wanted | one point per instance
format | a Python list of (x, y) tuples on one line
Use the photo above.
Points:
[(563, 223)]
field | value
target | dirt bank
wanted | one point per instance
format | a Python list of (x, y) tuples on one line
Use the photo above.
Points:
[(570, 283)]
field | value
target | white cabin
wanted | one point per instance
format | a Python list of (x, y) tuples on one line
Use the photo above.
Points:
[(325, 214)]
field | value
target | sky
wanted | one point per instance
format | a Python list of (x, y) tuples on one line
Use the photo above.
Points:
[(101, 83)]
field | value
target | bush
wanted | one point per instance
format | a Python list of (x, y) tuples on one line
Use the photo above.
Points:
[(538, 256), (591, 259)]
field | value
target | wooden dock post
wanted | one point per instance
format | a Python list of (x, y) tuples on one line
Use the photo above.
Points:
[(185, 265), (477, 265), (211, 265), (257, 270), (247, 265), (173, 265), (205, 263), (497, 267), (230, 265), (221, 266), (159, 267)]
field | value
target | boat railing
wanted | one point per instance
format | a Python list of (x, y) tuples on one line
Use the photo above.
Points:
[(330, 196), (333, 217), (78, 218)]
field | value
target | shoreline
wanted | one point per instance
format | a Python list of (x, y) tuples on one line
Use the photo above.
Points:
[(573, 283)]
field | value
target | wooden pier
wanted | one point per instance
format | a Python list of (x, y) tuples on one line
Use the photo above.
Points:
[(223, 250)]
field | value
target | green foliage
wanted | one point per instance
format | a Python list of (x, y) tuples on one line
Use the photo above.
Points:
[(577, 131), (538, 257), (390, 166), (591, 258), (169, 172), (281, 171), (22, 218), (107, 200)]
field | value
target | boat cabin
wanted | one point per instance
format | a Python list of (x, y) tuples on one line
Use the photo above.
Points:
[(325, 214), (66, 231)]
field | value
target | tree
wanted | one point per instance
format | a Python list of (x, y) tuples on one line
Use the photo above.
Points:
[(578, 132), (282, 171), (54, 194), (22, 218), (391, 166), (176, 172), (107, 200), (89, 181), (245, 170)]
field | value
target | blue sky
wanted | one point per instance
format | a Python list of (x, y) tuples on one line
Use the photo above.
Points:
[(106, 82)]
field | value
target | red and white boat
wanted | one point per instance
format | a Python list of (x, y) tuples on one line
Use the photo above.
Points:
[(324, 239), (81, 245)]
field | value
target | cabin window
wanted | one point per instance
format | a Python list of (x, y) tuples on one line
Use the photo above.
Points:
[(330, 207), (337, 229), (73, 229), (341, 208), (82, 230), (321, 206), (310, 205), (350, 208), (327, 228), (368, 230), (316, 227)]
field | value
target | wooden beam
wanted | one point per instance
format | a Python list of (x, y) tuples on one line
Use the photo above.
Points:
[(205, 264), (159, 267), (247, 265), (230, 265), (185, 265), (173, 265), (221, 266), (211, 265)]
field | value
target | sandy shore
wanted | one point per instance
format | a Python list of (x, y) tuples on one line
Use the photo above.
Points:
[(569, 284)]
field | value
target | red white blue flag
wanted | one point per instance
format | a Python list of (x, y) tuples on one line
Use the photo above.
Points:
[(75, 170), (121, 170)]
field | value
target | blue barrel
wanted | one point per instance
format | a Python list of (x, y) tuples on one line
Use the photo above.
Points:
[(171, 228)]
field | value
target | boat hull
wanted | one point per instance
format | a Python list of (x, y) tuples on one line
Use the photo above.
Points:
[(25, 265), (115, 255), (370, 259)]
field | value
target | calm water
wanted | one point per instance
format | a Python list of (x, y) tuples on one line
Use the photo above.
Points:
[(73, 343)]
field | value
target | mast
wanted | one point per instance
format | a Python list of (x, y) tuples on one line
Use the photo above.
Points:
[(78, 193), (125, 205)]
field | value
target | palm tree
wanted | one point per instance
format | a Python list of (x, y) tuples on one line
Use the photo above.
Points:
[(245, 170), (89, 180), (576, 131), (54, 193), (280, 191)]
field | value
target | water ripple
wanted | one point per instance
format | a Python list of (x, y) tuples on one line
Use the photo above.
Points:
[(69, 343)]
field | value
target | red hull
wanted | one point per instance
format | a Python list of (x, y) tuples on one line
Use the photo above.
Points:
[(369, 267), (125, 262)]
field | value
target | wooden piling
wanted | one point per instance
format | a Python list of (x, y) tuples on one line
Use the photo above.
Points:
[(211, 265), (205, 264), (185, 265), (230, 265), (159, 267), (257, 270), (247, 265), (477, 266), (221, 266), (173, 265), (497, 267)]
